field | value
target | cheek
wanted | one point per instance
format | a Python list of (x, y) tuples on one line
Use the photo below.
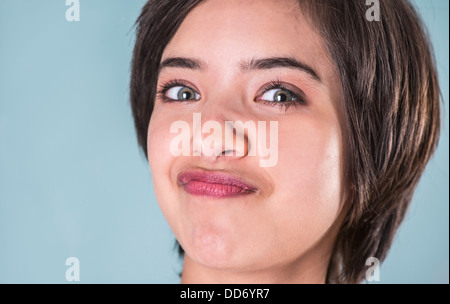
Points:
[(310, 160), (158, 151), (154, 145)]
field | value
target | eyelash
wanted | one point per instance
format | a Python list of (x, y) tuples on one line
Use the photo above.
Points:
[(167, 86), (274, 84)]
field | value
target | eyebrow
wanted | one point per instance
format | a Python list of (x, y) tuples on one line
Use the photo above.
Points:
[(181, 62), (279, 62), (251, 65)]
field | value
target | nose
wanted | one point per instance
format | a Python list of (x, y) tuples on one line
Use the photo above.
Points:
[(218, 136)]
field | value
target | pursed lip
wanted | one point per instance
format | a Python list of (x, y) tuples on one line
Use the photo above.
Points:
[(213, 184)]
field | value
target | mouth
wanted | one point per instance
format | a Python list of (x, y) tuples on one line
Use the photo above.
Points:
[(214, 184)]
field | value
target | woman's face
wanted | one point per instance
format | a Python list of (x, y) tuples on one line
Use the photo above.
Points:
[(256, 61)]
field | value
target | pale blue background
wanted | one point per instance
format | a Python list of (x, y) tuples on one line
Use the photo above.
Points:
[(73, 182)]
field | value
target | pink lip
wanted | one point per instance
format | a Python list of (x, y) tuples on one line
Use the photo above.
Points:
[(213, 184)]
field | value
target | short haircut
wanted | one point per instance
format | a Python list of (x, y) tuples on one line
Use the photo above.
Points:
[(391, 103)]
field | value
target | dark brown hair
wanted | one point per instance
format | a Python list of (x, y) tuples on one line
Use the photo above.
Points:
[(391, 100)]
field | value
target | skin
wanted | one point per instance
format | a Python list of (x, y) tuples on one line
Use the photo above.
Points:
[(285, 232)]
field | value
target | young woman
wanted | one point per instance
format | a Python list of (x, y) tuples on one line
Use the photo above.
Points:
[(354, 103)]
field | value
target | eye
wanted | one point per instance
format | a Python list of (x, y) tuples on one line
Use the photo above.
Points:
[(181, 93), (279, 95), (177, 90)]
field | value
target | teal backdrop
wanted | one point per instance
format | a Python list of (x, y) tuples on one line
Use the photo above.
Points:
[(73, 182)]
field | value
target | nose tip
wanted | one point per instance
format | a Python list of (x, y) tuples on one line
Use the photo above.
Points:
[(236, 141), (218, 138)]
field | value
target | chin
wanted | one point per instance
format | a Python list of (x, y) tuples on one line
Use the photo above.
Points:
[(211, 247), (226, 257)]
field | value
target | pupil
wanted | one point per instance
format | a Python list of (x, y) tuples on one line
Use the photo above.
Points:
[(281, 97), (185, 94)]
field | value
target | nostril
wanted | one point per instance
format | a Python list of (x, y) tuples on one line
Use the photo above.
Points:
[(228, 153)]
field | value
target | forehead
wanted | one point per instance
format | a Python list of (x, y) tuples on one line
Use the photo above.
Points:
[(242, 29)]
